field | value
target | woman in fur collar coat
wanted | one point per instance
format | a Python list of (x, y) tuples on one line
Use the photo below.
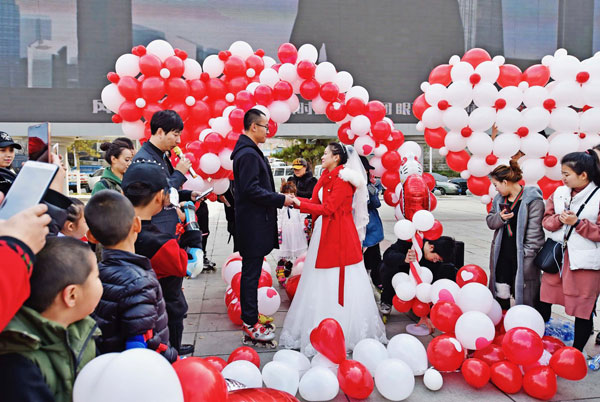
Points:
[(334, 282)]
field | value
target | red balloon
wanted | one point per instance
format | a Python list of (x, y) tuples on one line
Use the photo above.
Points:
[(355, 380), (245, 100), (388, 197), (245, 353), (263, 94), (291, 285), (213, 142), (343, 134), (231, 139), (510, 75), (216, 88), (434, 137), (441, 75), (200, 380), (306, 69), (177, 89), (401, 305), (287, 53), (457, 161), (309, 89), (476, 372), (435, 232), (499, 338), (381, 130), (217, 362), (336, 111), (234, 67), (375, 111), (391, 160), (265, 279), (507, 376), (236, 119), (197, 89), (256, 63), (355, 106), (538, 74), (522, 346), (129, 87), (234, 312), (200, 112), (540, 383), (445, 353), (217, 107), (282, 90), (390, 179), (569, 363), (235, 283), (328, 339), (491, 354), (419, 106), (237, 84), (272, 129), (175, 66), (260, 395), (153, 89), (429, 180), (471, 273), (419, 308), (229, 296), (150, 65), (476, 56), (329, 91), (129, 111), (548, 186), (181, 108), (552, 344), (478, 185), (395, 140), (444, 315), (150, 109)]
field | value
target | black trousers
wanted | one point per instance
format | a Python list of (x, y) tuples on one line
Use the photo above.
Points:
[(251, 269), (387, 273), (175, 333), (372, 259), (583, 328)]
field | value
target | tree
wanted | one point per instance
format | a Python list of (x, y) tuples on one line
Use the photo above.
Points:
[(311, 151)]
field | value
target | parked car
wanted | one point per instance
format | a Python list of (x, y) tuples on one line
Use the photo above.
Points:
[(445, 187), (83, 180), (462, 183), (279, 173), (318, 171)]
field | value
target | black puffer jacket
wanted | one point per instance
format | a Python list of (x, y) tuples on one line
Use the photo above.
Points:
[(304, 184), (132, 304)]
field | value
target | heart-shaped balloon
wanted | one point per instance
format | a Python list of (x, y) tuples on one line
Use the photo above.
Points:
[(569, 363), (328, 339)]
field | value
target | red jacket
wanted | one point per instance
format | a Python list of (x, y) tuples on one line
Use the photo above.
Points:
[(17, 261), (339, 244)]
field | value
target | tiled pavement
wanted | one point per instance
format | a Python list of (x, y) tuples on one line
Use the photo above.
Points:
[(209, 327)]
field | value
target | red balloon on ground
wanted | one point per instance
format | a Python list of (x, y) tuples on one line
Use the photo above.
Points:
[(260, 395), (507, 376), (200, 380), (245, 353), (291, 285), (476, 372), (235, 283), (569, 363), (522, 346), (328, 339), (265, 279), (491, 354), (234, 312), (471, 273), (401, 305), (217, 362), (552, 344), (445, 353), (444, 315), (540, 383), (355, 380)]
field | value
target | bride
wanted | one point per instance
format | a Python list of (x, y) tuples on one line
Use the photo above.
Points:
[(325, 290)]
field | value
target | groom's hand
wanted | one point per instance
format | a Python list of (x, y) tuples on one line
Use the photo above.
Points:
[(288, 201)]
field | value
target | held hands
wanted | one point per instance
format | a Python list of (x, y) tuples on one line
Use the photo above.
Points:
[(183, 166), (289, 200), (568, 217)]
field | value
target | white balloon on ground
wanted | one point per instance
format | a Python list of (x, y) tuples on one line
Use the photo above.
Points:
[(410, 350), (445, 289), (394, 379), (245, 372), (370, 353), (474, 297), (293, 358), (318, 384), (524, 316), (433, 380), (281, 376), (232, 268), (474, 330)]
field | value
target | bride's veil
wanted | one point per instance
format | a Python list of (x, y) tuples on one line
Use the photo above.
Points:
[(360, 213)]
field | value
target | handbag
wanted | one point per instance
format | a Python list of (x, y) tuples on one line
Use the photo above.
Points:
[(550, 257)]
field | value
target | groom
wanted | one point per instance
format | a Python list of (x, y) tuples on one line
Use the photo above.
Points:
[(256, 204)]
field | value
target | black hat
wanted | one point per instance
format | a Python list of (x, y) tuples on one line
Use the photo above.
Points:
[(365, 163), (147, 172), (7, 141)]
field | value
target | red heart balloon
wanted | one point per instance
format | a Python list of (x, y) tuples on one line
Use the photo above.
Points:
[(569, 363), (490, 354), (540, 383), (522, 346), (355, 380), (328, 339), (476, 372), (507, 376), (245, 353), (200, 380), (552, 344)]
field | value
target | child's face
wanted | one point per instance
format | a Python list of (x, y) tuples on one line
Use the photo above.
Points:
[(90, 291), (81, 228)]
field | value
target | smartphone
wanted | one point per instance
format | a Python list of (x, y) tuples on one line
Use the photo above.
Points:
[(28, 189), (38, 144), (206, 192), (504, 207)]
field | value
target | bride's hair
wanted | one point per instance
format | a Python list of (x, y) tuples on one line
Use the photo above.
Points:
[(340, 150)]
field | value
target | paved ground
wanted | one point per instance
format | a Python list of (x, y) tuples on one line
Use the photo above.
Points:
[(209, 328)]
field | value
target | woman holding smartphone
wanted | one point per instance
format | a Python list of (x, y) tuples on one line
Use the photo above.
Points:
[(516, 218)]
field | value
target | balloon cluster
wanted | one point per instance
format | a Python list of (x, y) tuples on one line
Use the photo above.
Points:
[(544, 112), (268, 298), (212, 100)]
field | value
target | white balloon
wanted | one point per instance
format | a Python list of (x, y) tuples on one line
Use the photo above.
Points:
[(535, 145), (280, 111), (562, 144), (191, 69), (495, 312), (533, 170), (194, 183), (380, 150), (364, 145), (460, 94), (410, 350), (564, 119), (344, 81), (535, 119), (86, 379), (488, 71), (269, 77), (512, 95), (508, 120), (112, 98), (370, 353), (268, 301), (554, 172), (321, 361), (319, 384), (133, 129), (410, 148), (455, 118), (589, 121), (482, 118), (210, 163), (128, 65), (478, 166), (432, 117), (400, 277), (221, 125), (394, 379), (524, 316), (406, 290), (232, 268), (241, 49), (245, 372), (213, 66), (486, 199), (269, 61), (474, 329), (436, 93), (160, 48), (325, 72), (485, 94), (474, 297), (358, 92), (461, 71), (454, 141), (590, 141), (433, 380), (319, 106), (591, 93), (426, 276), (444, 288), (287, 72), (360, 125), (263, 109), (423, 292), (376, 163), (564, 68), (567, 93), (423, 220), (404, 229), (480, 144), (535, 96), (225, 159), (281, 376), (308, 52), (294, 359)]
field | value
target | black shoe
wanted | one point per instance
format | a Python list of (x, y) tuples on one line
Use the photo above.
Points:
[(598, 339), (186, 350), (209, 262)]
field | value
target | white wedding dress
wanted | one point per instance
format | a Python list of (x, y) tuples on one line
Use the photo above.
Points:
[(317, 298)]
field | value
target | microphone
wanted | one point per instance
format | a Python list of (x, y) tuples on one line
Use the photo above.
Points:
[(180, 154)]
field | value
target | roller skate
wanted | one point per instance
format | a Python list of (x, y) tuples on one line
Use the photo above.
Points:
[(209, 266), (267, 322), (385, 310), (280, 273), (258, 335)]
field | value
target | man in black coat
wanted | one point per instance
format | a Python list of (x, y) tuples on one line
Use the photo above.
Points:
[(256, 204), (303, 178), (166, 126)]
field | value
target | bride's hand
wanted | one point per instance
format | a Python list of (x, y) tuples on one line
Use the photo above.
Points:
[(296, 202)]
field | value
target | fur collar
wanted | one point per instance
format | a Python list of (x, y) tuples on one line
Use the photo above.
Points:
[(352, 176)]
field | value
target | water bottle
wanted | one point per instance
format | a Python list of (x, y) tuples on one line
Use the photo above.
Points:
[(594, 363)]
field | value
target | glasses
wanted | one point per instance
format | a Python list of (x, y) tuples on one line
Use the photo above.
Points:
[(266, 127)]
